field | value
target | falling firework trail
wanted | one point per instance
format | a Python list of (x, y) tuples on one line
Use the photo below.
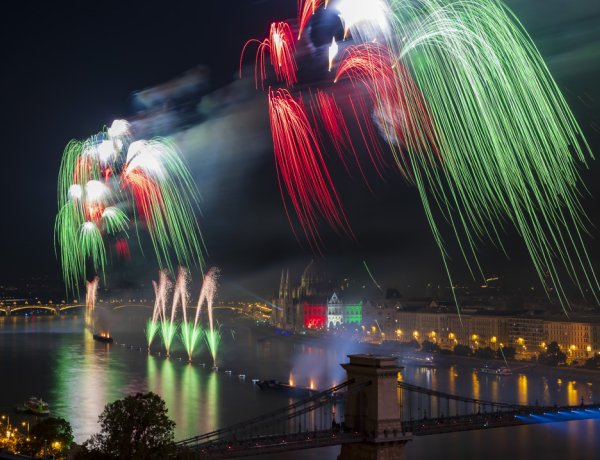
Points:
[(301, 168), (371, 276), (509, 144)]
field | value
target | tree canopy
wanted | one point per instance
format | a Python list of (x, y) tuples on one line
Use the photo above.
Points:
[(52, 435), (136, 427)]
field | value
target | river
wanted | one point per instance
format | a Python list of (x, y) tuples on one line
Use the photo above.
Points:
[(56, 359)]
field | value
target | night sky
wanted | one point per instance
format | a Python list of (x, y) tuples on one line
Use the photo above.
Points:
[(68, 69)]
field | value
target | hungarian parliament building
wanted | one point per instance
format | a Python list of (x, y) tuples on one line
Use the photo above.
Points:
[(313, 304)]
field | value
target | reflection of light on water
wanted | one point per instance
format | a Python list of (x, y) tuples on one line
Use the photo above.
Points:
[(522, 390), (83, 383), (452, 379), (546, 392), (475, 381), (495, 390), (210, 404), (190, 389), (291, 380), (572, 399)]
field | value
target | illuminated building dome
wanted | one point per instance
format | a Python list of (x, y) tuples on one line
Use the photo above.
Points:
[(313, 281)]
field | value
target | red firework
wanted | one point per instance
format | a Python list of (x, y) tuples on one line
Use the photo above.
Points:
[(122, 249), (400, 108), (301, 167), (336, 128), (306, 8), (281, 48), (146, 193)]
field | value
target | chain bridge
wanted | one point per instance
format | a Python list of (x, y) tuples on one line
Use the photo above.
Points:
[(372, 415)]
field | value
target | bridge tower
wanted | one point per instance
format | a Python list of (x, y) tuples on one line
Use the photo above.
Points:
[(374, 411)]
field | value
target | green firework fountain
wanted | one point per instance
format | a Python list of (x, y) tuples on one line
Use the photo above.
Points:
[(208, 293), (190, 336), (168, 331), (154, 324), (152, 328), (213, 339)]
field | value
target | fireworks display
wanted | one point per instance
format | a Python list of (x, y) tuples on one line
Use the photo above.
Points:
[(109, 183), (471, 116), (91, 294), (167, 322)]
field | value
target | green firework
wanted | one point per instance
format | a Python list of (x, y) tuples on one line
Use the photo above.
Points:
[(213, 339), (165, 195), (114, 220), (190, 336), (509, 147), (168, 331), (152, 328), (92, 247)]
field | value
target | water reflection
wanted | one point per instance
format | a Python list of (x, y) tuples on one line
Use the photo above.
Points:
[(83, 381), (523, 395), (572, 395), (86, 375)]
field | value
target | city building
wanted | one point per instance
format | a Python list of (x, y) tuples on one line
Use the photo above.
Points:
[(335, 308), (314, 303)]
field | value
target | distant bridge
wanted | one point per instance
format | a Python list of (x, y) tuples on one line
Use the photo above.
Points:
[(371, 415), (56, 309)]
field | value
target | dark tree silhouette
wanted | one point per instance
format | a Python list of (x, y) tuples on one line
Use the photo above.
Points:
[(136, 427), (52, 434)]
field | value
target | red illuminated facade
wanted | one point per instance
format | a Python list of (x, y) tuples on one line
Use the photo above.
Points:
[(315, 315)]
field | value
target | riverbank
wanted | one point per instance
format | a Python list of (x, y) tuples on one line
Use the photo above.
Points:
[(446, 360)]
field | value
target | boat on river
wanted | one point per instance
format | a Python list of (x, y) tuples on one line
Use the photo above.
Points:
[(281, 386), (103, 337), (494, 370), (418, 359), (34, 405)]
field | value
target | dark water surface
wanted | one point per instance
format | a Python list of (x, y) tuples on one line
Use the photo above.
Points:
[(56, 359)]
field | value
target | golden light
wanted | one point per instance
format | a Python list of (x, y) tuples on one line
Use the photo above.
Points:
[(416, 334), (399, 332), (474, 337), (374, 329), (520, 340), (451, 336), (573, 347), (588, 348), (494, 339)]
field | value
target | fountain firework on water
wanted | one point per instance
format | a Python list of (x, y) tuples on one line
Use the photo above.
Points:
[(208, 294), (91, 291), (190, 331), (161, 290), (169, 326)]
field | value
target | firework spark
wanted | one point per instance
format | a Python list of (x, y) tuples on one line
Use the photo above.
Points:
[(281, 48)]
